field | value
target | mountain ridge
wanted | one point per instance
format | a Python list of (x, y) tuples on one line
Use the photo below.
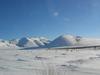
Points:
[(40, 42)]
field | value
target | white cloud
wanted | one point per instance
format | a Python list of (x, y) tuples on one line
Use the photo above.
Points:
[(56, 13)]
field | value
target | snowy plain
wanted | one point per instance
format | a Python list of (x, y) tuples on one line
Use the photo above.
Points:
[(49, 62), (40, 56)]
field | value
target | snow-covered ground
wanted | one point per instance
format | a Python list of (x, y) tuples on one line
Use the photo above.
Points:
[(49, 62)]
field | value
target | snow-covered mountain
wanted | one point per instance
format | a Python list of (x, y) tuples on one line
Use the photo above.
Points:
[(24, 42), (63, 40), (32, 42), (89, 41), (70, 40), (6, 44)]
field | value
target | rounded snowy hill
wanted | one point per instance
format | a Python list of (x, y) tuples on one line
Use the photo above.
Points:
[(70, 40), (64, 40)]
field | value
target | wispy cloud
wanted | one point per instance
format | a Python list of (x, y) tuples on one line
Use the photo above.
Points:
[(56, 13), (67, 19)]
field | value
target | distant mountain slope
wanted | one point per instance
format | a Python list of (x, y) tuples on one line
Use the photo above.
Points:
[(4, 43), (70, 40), (64, 40), (89, 41), (32, 42), (38, 42), (24, 42)]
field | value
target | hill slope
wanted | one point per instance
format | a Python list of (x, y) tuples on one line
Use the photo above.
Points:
[(63, 40)]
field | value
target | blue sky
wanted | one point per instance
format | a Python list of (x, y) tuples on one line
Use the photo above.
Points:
[(50, 18)]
